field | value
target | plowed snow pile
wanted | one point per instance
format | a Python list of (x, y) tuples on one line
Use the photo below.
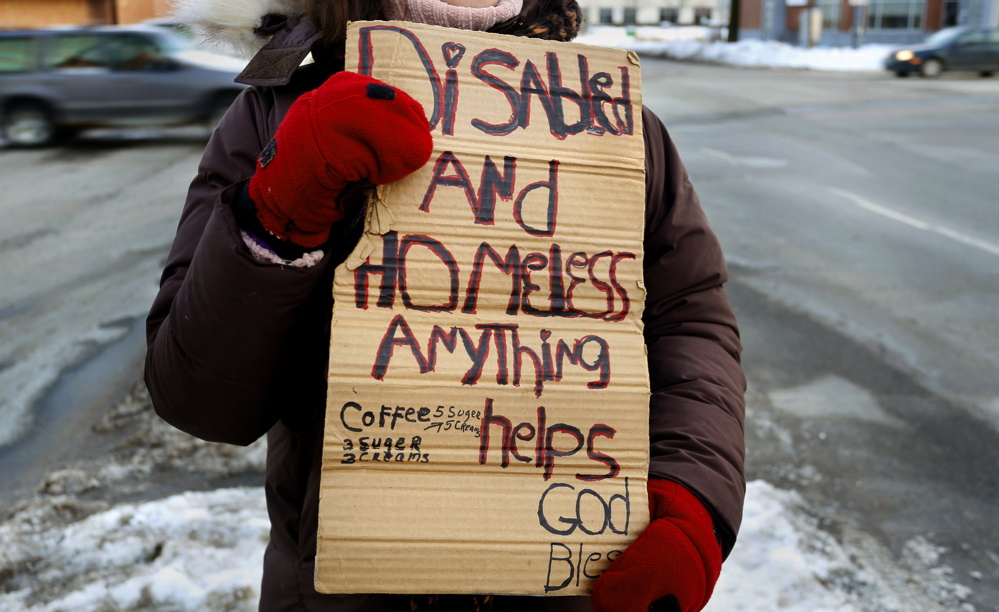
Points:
[(70, 549)]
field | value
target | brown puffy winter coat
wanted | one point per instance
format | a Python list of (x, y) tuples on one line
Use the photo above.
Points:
[(238, 349)]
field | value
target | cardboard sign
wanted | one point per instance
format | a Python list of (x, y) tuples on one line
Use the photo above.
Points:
[(487, 421)]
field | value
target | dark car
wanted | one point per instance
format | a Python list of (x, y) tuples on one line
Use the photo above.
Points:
[(55, 82), (950, 49)]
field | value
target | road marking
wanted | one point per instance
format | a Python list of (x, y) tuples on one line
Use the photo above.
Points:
[(894, 215), (750, 161)]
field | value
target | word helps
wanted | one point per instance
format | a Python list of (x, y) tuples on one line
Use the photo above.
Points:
[(544, 449)]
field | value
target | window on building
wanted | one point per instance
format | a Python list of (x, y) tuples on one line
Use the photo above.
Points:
[(669, 15), (895, 14), (830, 14), (630, 16), (606, 16), (16, 54), (702, 15), (77, 51), (951, 11)]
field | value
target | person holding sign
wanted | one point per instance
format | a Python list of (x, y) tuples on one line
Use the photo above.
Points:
[(238, 336)]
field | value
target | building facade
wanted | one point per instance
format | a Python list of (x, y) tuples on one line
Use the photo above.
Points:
[(648, 12), (40, 13), (881, 21)]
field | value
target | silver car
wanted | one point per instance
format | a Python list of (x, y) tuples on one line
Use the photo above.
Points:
[(55, 82)]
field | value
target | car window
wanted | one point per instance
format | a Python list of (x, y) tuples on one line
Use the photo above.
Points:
[(133, 52), (17, 54), (74, 51), (943, 37), (972, 38), (178, 38)]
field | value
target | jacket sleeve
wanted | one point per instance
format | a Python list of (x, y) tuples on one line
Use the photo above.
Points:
[(217, 327), (697, 408)]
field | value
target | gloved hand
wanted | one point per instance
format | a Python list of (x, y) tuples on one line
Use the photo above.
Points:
[(674, 563), (350, 128)]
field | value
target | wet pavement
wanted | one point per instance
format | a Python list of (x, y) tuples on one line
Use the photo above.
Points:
[(858, 215)]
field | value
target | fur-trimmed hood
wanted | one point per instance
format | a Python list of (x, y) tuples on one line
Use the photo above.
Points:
[(239, 27), (233, 26)]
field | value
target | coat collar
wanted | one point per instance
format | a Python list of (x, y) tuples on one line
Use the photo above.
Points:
[(293, 36), (291, 42)]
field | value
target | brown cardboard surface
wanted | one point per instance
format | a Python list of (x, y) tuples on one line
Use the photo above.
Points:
[(487, 417)]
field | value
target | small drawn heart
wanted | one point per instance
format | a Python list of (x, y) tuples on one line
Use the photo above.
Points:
[(545, 335), (453, 52)]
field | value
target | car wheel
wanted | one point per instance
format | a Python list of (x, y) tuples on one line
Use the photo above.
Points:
[(28, 124), (986, 73), (932, 68)]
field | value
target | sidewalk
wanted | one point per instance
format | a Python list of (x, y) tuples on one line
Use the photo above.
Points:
[(694, 44)]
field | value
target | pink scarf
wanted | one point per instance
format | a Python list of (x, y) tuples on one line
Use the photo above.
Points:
[(437, 12)]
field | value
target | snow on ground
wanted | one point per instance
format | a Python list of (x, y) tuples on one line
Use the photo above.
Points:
[(696, 44), (780, 563), (69, 547), (784, 561), (149, 447), (72, 548), (194, 551), (203, 551)]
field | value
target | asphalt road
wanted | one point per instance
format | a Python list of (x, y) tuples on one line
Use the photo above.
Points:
[(86, 229), (860, 218)]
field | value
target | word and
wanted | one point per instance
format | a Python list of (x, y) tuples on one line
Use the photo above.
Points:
[(505, 337), (599, 111), (574, 565), (544, 449), (493, 183), (559, 279), (384, 450)]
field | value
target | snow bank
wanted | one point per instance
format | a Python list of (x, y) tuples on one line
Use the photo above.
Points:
[(194, 551), (147, 447), (204, 551), (693, 44), (70, 548), (785, 562), (781, 561), (770, 54)]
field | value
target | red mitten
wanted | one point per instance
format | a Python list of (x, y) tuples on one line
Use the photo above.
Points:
[(350, 128), (674, 563)]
